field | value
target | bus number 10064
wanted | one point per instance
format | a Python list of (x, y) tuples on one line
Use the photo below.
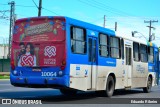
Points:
[(48, 74)]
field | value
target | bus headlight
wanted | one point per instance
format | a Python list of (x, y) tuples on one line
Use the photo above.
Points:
[(15, 72)]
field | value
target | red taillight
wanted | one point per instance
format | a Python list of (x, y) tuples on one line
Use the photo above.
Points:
[(12, 65), (62, 67), (63, 64)]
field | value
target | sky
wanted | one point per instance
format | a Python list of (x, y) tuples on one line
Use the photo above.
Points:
[(129, 14)]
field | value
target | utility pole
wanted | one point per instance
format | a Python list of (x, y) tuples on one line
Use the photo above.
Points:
[(150, 26), (104, 23), (40, 7), (115, 26), (12, 20)]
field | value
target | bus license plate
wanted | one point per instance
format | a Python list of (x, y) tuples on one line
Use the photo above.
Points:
[(36, 69)]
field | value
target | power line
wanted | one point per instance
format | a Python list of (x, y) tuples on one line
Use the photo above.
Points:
[(4, 22), (3, 4), (27, 6), (110, 8), (103, 7), (24, 6), (4, 16), (93, 5), (50, 11), (35, 4), (98, 19), (20, 5)]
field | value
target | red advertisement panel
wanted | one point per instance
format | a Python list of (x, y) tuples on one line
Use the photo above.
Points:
[(38, 42)]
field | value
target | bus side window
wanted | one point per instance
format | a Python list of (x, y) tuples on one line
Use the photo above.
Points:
[(150, 54), (103, 45), (143, 53), (122, 48), (136, 51), (115, 49), (78, 40)]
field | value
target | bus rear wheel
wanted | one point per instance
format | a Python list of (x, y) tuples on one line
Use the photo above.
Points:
[(68, 92), (149, 86), (110, 86)]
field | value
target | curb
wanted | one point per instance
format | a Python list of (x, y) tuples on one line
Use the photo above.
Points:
[(4, 79), (4, 73)]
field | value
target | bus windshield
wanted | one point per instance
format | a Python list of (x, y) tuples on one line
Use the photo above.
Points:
[(38, 42)]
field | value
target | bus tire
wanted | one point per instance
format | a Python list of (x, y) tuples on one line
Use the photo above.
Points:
[(110, 86), (149, 86), (68, 92)]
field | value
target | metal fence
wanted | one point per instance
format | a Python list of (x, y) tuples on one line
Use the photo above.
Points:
[(4, 65)]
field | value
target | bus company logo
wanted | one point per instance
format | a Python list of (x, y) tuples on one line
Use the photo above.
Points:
[(27, 60), (50, 51), (140, 69), (92, 33)]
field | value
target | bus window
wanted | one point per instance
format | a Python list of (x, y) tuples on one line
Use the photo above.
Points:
[(103, 47), (150, 54), (94, 51), (90, 49), (122, 48), (115, 47), (136, 51), (78, 40), (143, 53), (128, 56)]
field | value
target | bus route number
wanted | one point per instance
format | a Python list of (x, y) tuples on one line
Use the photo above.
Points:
[(48, 74)]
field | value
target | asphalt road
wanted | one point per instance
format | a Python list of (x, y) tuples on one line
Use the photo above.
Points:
[(53, 96)]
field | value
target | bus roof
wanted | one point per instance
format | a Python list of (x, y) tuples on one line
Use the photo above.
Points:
[(129, 37), (73, 22), (89, 26)]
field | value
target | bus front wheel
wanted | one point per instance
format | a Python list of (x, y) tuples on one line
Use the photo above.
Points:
[(149, 86), (110, 86)]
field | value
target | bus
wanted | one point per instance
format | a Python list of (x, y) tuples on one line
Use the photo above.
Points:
[(72, 55)]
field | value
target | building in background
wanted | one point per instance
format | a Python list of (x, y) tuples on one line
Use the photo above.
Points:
[(3, 51), (4, 60)]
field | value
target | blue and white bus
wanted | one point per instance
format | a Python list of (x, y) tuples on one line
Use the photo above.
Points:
[(72, 55)]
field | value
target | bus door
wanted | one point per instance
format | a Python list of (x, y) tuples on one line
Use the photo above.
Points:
[(92, 59), (156, 67), (128, 66)]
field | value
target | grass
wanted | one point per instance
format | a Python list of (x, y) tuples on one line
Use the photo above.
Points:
[(4, 76)]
